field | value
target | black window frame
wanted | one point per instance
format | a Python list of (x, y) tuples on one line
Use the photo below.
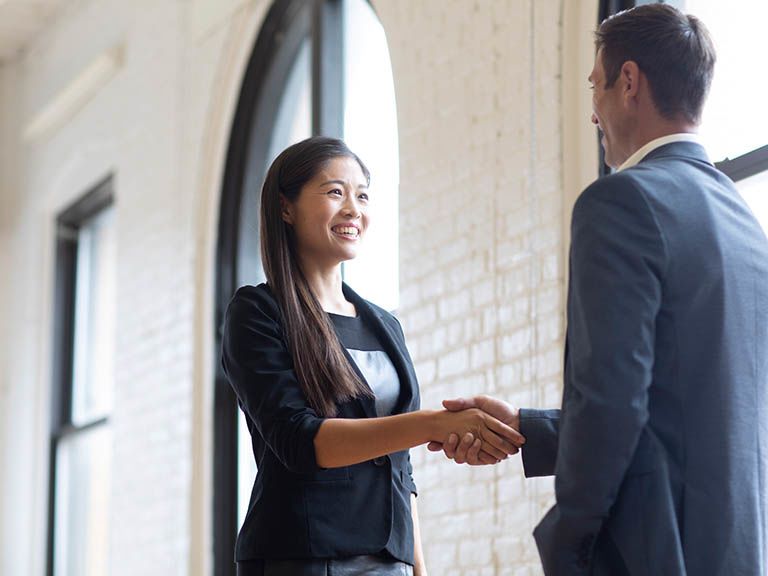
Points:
[(739, 168), (286, 26), (68, 224), (746, 165)]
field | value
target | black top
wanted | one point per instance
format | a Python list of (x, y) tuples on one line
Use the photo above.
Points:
[(354, 333), (297, 509), (371, 359)]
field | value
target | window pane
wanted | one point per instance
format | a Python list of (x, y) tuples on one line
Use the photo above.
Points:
[(81, 530), (370, 130), (94, 347), (734, 120), (246, 469), (755, 191), (293, 122)]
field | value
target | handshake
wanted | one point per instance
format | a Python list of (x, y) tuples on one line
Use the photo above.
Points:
[(483, 430)]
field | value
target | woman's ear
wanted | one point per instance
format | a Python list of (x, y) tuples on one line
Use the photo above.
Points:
[(286, 210)]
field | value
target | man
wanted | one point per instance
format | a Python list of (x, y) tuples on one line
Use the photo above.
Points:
[(661, 457)]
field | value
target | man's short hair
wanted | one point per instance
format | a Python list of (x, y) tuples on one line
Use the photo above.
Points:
[(672, 49)]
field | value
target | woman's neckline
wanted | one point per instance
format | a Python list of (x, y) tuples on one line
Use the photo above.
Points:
[(343, 315)]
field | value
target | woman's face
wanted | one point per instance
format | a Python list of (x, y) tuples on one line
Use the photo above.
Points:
[(330, 215)]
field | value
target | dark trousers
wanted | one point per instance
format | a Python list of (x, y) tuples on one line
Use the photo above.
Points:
[(354, 566)]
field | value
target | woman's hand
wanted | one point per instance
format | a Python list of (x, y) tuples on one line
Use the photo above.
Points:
[(496, 438), (468, 449)]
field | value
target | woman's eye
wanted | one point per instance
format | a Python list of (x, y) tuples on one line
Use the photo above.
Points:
[(335, 192), (363, 197)]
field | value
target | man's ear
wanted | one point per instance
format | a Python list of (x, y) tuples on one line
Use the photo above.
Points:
[(286, 210), (629, 76)]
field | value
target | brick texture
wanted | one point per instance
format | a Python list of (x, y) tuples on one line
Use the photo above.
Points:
[(481, 198)]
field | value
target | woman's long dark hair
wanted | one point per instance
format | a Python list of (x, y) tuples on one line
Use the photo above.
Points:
[(322, 368)]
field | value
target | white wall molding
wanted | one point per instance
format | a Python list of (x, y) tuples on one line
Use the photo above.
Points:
[(242, 28), (72, 98)]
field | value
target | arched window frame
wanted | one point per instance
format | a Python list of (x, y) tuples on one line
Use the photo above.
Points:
[(286, 26)]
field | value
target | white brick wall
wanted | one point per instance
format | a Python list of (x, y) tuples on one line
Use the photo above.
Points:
[(482, 276), (482, 218)]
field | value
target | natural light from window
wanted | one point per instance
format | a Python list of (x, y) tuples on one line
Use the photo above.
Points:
[(735, 120), (370, 130)]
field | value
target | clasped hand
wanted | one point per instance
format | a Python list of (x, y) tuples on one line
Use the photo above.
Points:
[(485, 431)]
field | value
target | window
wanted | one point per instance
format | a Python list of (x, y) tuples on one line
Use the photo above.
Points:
[(734, 126), (83, 382), (318, 67), (754, 190), (370, 129)]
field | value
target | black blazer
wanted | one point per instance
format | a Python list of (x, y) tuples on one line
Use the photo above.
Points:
[(297, 509)]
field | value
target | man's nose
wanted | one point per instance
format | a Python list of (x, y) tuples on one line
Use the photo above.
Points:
[(594, 119)]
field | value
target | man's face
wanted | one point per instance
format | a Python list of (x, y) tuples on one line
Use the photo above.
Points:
[(608, 114)]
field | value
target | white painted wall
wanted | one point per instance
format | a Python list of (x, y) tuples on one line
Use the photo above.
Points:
[(160, 126)]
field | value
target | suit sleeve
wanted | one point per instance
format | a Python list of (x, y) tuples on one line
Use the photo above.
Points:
[(260, 369), (540, 428), (618, 257)]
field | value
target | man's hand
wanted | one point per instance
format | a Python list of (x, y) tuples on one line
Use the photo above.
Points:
[(469, 448)]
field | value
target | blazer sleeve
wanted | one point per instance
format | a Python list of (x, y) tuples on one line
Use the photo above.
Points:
[(540, 428), (416, 404), (618, 259), (259, 367)]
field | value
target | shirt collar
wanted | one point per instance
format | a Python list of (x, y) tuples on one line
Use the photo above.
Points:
[(642, 152)]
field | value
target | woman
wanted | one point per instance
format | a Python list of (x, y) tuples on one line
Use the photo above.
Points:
[(328, 388)]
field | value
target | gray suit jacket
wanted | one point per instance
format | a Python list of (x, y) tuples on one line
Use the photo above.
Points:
[(660, 453)]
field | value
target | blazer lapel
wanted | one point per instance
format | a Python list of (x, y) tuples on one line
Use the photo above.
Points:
[(394, 346)]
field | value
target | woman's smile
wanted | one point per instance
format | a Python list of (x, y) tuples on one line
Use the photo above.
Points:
[(347, 231)]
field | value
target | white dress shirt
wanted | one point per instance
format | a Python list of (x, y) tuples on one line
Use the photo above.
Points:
[(657, 143)]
